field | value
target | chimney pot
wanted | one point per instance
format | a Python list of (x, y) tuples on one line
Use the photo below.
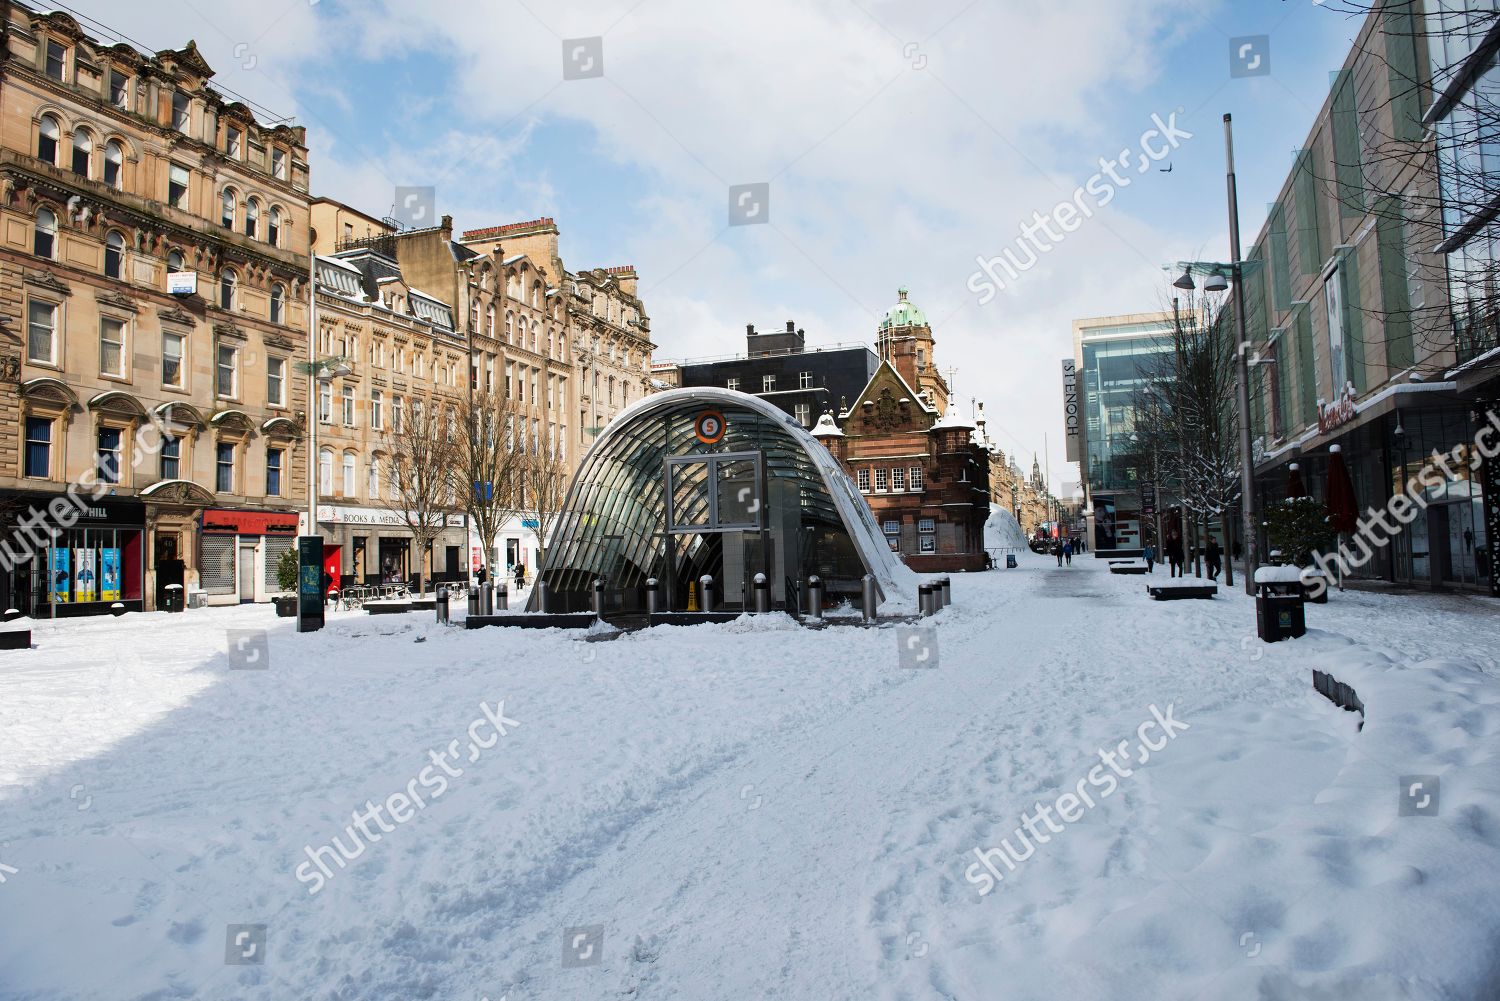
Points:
[(791, 327), (750, 329)]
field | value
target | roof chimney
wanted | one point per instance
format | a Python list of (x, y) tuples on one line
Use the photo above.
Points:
[(791, 327)]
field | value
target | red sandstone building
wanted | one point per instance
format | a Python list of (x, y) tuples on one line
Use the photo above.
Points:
[(911, 455)]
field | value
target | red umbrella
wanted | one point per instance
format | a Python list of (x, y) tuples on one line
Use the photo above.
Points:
[(1294, 487), (1343, 509)]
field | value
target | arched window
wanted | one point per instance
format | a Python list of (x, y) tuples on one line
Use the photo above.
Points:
[(252, 217), (114, 164), (226, 210), (536, 293), (227, 280), (83, 152), (44, 240), (278, 303), (47, 136), (347, 484), (175, 261), (273, 226), (114, 254), (549, 343), (325, 471), (489, 320)]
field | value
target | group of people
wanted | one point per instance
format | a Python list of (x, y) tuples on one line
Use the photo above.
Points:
[(1213, 555), (518, 572), (1064, 549)]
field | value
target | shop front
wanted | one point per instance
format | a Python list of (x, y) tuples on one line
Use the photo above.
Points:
[(88, 567), (238, 551), (368, 545)]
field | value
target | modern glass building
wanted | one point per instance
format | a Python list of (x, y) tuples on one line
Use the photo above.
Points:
[(707, 481)]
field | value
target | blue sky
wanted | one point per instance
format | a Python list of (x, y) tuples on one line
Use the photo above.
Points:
[(900, 141)]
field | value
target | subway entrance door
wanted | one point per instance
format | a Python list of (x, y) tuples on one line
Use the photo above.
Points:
[(309, 583)]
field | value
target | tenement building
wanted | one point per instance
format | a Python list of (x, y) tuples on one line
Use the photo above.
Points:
[(153, 266), (920, 469)]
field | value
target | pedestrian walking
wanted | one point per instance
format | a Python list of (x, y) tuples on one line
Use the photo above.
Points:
[(1215, 556), (1057, 549), (1174, 555), (1150, 557), (1068, 551)]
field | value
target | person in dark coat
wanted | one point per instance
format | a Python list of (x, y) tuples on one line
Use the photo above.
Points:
[(1174, 555), (1067, 551), (1150, 557), (1215, 557)]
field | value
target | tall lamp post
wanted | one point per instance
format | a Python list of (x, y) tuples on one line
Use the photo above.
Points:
[(320, 372)]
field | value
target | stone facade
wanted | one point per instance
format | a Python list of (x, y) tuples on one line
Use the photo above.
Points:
[(119, 168)]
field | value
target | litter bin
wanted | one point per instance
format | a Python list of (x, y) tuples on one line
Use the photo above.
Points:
[(173, 598), (1010, 561), (1279, 612)]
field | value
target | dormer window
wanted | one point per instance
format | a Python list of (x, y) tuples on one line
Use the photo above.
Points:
[(232, 138), (119, 89), (57, 60), (181, 111), (278, 163)]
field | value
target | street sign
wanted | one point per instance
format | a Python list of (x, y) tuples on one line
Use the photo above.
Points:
[(1148, 499)]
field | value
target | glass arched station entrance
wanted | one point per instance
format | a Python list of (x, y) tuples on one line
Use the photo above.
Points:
[(706, 481)]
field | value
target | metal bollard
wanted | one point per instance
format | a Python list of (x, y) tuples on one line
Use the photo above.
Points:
[(947, 586), (706, 585), (473, 599), (598, 598), (486, 598), (762, 594), (502, 598), (815, 596), (924, 600), (868, 600), (442, 604), (653, 596), (541, 596)]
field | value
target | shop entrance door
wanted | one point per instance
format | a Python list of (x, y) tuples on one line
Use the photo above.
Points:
[(247, 573)]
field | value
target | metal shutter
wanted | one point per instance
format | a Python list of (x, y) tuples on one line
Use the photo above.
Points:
[(216, 570)]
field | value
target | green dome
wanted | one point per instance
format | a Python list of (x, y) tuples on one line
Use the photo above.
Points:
[(904, 314)]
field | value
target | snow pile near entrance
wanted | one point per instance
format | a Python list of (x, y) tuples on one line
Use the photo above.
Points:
[(1002, 531)]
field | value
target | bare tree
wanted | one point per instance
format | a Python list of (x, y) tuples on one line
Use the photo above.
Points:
[(544, 486), (425, 460), (491, 466)]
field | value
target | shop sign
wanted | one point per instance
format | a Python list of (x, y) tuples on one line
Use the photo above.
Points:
[(1070, 407), (1148, 499), (709, 427), (250, 522), (1338, 413), (335, 514), (530, 523)]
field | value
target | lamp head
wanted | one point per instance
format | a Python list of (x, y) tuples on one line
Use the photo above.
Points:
[(1185, 282)]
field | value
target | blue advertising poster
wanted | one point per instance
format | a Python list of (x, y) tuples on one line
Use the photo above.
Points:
[(109, 575), (85, 580), (62, 584)]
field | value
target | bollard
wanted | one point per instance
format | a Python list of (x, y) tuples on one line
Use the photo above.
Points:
[(924, 600), (541, 596), (762, 594), (502, 598), (653, 596), (815, 596), (598, 599), (706, 583), (442, 604), (473, 599), (947, 585), (868, 600), (487, 598)]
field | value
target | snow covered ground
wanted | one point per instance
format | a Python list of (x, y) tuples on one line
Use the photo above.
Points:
[(756, 810)]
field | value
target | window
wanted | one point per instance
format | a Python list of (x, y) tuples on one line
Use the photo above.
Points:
[(346, 480), (862, 476), (881, 479), (278, 164), (227, 372), (181, 111), (377, 410), (372, 487), (111, 347), (489, 320), (733, 384), (114, 254), (927, 543), (914, 478), (926, 525), (114, 163), (173, 359), (898, 479), (38, 447), (224, 467), (119, 89), (276, 382), (177, 186), (273, 226), (892, 527), (252, 217), (803, 413), (171, 457), (804, 380), (107, 455), (347, 403), (325, 471), (44, 239), (226, 209), (48, 136), (278, 303), (274, 457), (41, 333), (83, 152), (227, 279), (57, 60), (768, 384), (325, 403), (232, 142), (175, 261)]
